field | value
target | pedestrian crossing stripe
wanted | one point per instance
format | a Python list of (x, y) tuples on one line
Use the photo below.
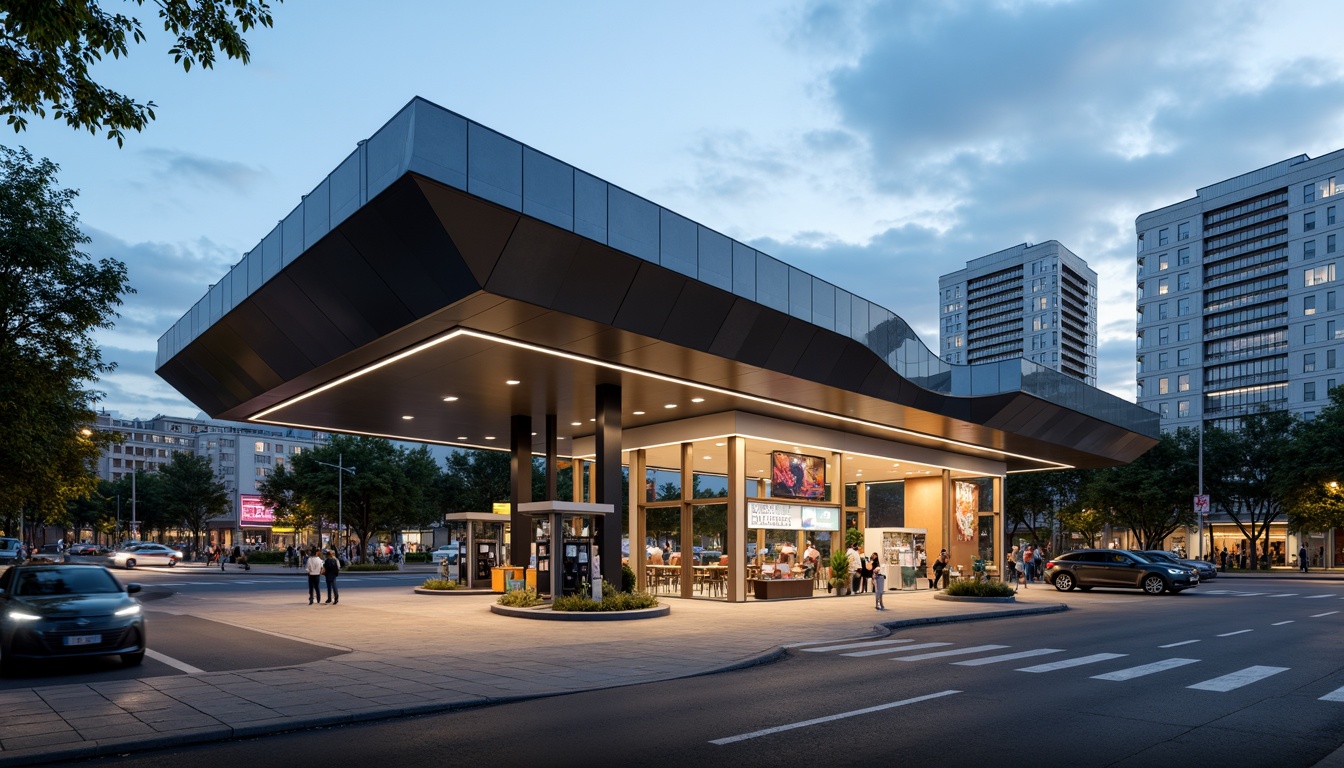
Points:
[(1327, 613), (900, 649), (1316, 597), (1008, 657), (953, 652), (1335, 695), (1237, 679), (851, 646), (1145, 669), (1074, 662)]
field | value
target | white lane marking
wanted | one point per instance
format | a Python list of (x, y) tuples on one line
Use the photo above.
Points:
[(174, 663), (1145, 669), (1250, 594), (850, 646), (1075, 662), (954, 652), (1237, 679), (1173, 645), (202, 583), (1007, 657), (1216, 592), (1316, 597), (1327, 613), (1238, 632), (830, 642), (1286, 594), (828, 718), (902, 649), (1335, 695), (1281, 623)]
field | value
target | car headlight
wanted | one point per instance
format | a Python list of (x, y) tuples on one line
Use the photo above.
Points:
[(1177, 571), (131, 611), (17, 615)]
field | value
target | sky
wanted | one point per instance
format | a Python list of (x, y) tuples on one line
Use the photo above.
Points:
[(874, 144)]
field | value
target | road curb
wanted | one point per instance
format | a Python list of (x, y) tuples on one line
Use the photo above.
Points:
[(546, 614), (926, 620)]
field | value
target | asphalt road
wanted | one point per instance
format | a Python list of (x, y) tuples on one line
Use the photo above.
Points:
[(1238, 673), (182, 637)]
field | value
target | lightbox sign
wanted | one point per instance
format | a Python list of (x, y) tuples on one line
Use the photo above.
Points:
[(792, 517), (255, 512)]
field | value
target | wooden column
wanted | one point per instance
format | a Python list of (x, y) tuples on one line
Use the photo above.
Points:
[(736, 546), (637, 527), (687, 527)]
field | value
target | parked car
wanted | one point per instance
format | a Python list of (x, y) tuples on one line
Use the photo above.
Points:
[(87, 550), (146, 554), (1206, 570), (447, 552), (48, 553), (1088, 568), (59, 611), (9, 551)]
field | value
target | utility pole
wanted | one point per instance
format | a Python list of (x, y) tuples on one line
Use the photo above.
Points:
[(341, 469), (134, 471)]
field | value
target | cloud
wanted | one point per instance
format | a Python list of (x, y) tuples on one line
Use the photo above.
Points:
[(134, 390), (173, 167)]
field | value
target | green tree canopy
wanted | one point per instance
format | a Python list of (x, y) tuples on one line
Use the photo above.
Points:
[(1249, 473), (191, 493), (52, 297), (47, 49), (1151, 495), (1315, 502)]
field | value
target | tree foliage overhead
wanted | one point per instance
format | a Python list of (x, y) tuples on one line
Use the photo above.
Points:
[(48, 48), (1249, 473), (192, 494), (52, 297), (1151, 496), (1315, 502)]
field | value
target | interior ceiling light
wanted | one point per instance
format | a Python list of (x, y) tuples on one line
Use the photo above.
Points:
[(709, 458), (720, 444), (639, 413), (489, 438), (462, 437), (576, 423), (408, 418), (697, 399), (512, 382), (450, 399), (670, 405), (592, 419)]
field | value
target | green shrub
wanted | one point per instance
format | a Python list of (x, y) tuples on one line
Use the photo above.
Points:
[(371, 567), (266, 558), (417, 557), (979, 589), (627, 578), (611, 601), (446, 584), (520, 598)]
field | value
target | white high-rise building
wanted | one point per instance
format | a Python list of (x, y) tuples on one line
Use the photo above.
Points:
[(1237, 296), (1037, 302)]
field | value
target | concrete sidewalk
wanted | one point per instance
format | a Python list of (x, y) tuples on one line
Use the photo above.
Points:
[(414, 654)]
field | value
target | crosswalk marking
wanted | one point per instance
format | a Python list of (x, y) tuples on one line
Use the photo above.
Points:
[(1007, 657), (1173, 645), (1335, 695), (1237, 679), (1327, 613), (954, 652), (1316, 597), (900, 649), (850, 646), (1074, 662), (1281, 623), (1146, 669), (1238, 632), (1286, 594)]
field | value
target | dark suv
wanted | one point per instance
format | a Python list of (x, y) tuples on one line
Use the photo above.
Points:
[(1088, 568)]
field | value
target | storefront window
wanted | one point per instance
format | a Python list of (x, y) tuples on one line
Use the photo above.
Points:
[(886, 505), (709, 526), (662, 485)]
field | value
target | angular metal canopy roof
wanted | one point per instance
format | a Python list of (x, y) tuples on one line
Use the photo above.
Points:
[(441, 260)]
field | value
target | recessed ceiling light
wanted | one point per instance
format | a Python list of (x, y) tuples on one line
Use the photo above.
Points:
[(450, 399), (512, 382), (708, 458), (576, 423), (796, 449), (592, 419), (559, 438), (534, 434), (489, 438), (670, 405), (462, 437), (639, 413), (720, 444), (895, 465), (697, 399), (408, 418)]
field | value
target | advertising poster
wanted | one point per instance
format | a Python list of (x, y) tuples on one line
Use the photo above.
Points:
[(968, 503), (255, 512)]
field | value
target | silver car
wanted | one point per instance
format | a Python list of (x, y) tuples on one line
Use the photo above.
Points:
[(146, 554)]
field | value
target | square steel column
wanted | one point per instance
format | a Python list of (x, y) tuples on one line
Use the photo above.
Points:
[(607, 478), (552, 456), (520, 489)]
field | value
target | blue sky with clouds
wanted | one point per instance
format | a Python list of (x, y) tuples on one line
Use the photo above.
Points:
[(875, 144)]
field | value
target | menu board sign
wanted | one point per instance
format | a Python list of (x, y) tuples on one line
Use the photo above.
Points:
[(792, 517)]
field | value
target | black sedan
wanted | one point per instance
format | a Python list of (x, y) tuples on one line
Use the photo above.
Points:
[(1088, 568), (1206, 570), (60, 611)]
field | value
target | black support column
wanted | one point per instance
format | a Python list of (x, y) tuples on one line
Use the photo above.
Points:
[(520, 489), (552, 456), (607, 478)]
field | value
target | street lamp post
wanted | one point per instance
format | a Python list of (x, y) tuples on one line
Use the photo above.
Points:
[(341, 469)]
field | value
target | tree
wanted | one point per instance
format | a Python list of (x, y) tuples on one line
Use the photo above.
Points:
[(1087, 522), (1249, 474), (1150, 495), (192, 494), (52, 296), (1315, 502), (1034, 500), (280, 491), (474, 480), (47, 48)]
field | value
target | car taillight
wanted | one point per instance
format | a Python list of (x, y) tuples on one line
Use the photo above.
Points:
[(1049, 564)]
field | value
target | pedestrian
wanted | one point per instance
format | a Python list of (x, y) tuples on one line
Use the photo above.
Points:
[(1029, 562), (1010, 568), (940, 570), (1222, 559), (879, 581), (853, 556), (1302, 557), (865, 572), (331, 569), (314, 569)]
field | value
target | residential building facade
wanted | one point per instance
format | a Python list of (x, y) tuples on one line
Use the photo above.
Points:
[(1238, 309), (242, 455), (1037, 302)]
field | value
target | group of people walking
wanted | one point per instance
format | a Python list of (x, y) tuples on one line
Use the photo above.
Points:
[(1024, 565)]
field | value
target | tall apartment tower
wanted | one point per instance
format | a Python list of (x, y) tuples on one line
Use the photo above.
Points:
[(1038, 302), (1237, 299)]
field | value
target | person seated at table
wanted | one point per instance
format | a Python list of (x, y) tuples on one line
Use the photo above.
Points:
[(674, 559), (655, 556)]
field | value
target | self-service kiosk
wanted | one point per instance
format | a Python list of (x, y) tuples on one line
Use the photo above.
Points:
[(483, 539), (565, 546)]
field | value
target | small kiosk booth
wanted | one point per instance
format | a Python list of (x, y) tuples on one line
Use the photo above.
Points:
[(482, 541), (565, 545)]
